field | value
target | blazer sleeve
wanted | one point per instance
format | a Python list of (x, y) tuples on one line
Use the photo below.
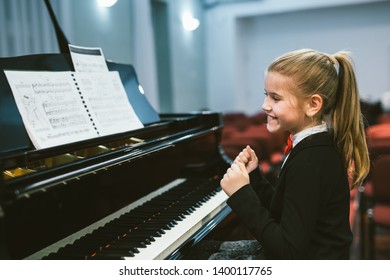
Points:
[(261, 186), (301, 198)]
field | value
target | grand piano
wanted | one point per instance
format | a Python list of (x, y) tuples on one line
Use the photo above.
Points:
[(149, 193), (141, 194)]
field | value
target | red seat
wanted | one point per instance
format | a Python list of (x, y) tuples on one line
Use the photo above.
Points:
[(237, 120), (378, 140), (377, 194), (258, 118), (384, 118)]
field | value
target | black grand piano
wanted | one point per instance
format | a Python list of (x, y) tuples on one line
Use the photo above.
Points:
[(142, 194), (149, 193)]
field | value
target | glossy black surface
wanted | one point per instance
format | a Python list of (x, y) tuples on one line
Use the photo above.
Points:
[(60, 198)]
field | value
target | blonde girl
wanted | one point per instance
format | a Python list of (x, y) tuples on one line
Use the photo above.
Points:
[(314, 96)]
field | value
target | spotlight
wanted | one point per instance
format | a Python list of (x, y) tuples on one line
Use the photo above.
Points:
[(189, 22), (106, 3)]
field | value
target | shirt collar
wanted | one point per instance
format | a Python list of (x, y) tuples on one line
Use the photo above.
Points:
[(308, 131)]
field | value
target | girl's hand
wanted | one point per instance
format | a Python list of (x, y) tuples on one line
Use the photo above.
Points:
[(235, 178), (248, 158)]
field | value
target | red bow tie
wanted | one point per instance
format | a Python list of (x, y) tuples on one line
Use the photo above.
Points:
[(289, 145)]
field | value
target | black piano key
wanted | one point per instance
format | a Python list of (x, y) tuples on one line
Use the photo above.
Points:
[(139, 239), (142, 225), (160, 225), (150, 234), (120, 251), (128, 245), (153, 231), (175, 215), (146, 237), (92, 238), (146, 228), (108, 233)]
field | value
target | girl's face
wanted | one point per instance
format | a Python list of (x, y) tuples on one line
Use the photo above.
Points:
[(283, 109)]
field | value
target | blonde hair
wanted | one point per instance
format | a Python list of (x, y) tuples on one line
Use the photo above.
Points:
[(333, 78)]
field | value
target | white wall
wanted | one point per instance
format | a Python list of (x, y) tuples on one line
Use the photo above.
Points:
[(119, 30), (242, 42), (108, 28), (187, 57), (123, 31)]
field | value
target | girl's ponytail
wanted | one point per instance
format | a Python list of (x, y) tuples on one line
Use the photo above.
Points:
[(349, 130)]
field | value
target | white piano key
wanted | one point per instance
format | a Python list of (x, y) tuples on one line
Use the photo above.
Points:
[(173, 238)]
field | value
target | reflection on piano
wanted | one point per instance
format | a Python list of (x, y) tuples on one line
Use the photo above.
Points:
[(143, 194)]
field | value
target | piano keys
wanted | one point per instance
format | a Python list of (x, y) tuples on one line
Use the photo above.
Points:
[(150, 228), (143, 194)]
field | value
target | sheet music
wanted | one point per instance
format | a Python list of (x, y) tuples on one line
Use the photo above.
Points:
[(107, 102), (88, 59), (64, 107)]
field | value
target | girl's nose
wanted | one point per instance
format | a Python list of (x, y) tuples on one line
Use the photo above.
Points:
[(266, 107)]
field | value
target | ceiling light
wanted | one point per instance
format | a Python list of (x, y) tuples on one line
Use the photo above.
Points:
[(189, 22), (106, 3)]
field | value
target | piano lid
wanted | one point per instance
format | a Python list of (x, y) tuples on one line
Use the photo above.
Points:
[(11, 123)]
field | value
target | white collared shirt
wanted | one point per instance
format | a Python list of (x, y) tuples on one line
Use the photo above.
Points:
[(305, 133)]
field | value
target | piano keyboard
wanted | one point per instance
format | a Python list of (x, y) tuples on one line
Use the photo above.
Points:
[(150, 228)]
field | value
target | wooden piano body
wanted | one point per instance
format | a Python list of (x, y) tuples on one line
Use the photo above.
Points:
[(110, 197)]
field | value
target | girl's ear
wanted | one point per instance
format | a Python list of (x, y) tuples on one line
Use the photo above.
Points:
[(313, 105)]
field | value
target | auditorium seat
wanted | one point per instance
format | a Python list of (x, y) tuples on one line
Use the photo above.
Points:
[(377, 193), (237, 120), (380, 130), (378, 140), (258, 118), (384, 118)]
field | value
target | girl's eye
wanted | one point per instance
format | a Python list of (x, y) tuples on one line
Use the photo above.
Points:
[(273, 96)]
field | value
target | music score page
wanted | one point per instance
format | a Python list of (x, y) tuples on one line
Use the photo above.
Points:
[(64, 107)]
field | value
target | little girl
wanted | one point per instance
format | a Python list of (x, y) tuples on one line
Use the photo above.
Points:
[(314, 96)]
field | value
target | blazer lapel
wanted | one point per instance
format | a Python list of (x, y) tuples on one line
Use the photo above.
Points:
[(318, 139)]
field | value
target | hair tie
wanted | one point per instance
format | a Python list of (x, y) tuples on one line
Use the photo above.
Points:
[(336, 67), (335, 62)]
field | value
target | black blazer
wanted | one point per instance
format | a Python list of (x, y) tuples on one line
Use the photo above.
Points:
[(306, 215)]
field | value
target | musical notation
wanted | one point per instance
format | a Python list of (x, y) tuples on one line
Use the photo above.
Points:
[(64, 107)]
